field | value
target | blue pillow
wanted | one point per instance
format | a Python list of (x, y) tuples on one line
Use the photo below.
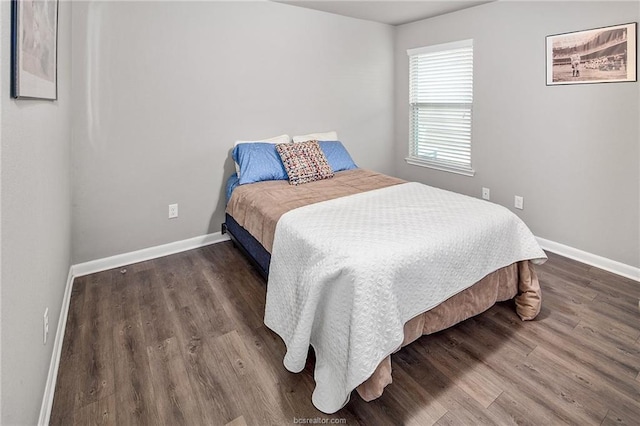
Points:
[(232, 182), (337, 155), (258, 161)]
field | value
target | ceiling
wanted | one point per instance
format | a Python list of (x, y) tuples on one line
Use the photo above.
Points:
[(390, 12)]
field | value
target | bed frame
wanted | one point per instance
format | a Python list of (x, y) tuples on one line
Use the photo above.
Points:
[(259, 257)]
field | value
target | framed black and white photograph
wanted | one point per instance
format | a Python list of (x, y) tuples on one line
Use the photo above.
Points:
[(599, 55), (34, 45)]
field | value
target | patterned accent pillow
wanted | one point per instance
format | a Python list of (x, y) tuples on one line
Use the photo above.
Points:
[(304, 162)]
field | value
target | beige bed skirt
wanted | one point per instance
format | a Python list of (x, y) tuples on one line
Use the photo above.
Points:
[(517, 280)]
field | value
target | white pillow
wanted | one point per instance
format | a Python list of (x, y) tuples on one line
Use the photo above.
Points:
[(274, 140), (327, 136)]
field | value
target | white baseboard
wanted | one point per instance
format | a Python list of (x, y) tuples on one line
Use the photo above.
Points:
[(99, 265), (613, 266), (50, 387)]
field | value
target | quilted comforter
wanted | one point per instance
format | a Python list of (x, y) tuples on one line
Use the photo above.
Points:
[(402, 250)]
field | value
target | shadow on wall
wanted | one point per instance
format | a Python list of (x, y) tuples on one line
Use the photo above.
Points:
[(217, 217)]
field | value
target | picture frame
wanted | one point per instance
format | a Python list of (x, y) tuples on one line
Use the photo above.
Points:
[(599, 55), (34, 49)]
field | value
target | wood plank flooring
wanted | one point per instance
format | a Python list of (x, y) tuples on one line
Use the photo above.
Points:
[(180, 340)]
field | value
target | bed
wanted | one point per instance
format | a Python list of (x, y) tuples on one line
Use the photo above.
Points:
[(362, 264)]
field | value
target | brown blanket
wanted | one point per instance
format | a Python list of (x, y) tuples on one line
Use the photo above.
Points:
[(258, 207)]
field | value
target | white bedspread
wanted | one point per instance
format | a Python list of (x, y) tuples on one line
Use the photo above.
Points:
[(346, 274)]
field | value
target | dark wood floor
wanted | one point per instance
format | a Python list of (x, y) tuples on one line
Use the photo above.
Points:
[(180, 340)]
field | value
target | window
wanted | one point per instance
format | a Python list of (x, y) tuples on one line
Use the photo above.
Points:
[(441, 101)]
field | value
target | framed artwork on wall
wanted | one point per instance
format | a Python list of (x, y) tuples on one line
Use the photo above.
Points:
[(34, 49), (599, 55)]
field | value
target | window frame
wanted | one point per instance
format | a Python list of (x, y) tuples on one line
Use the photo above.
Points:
[(423, 161)]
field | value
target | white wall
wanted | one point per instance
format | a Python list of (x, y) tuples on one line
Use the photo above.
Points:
[(571, 151), (2, 74), (35, 220), (162, 90)]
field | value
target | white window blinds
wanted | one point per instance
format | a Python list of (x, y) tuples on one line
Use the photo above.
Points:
[(441, 101)]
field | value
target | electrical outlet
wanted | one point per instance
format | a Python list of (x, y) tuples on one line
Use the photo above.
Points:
[(45, 322), (486, 193), (519, 202), (173, 211)]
